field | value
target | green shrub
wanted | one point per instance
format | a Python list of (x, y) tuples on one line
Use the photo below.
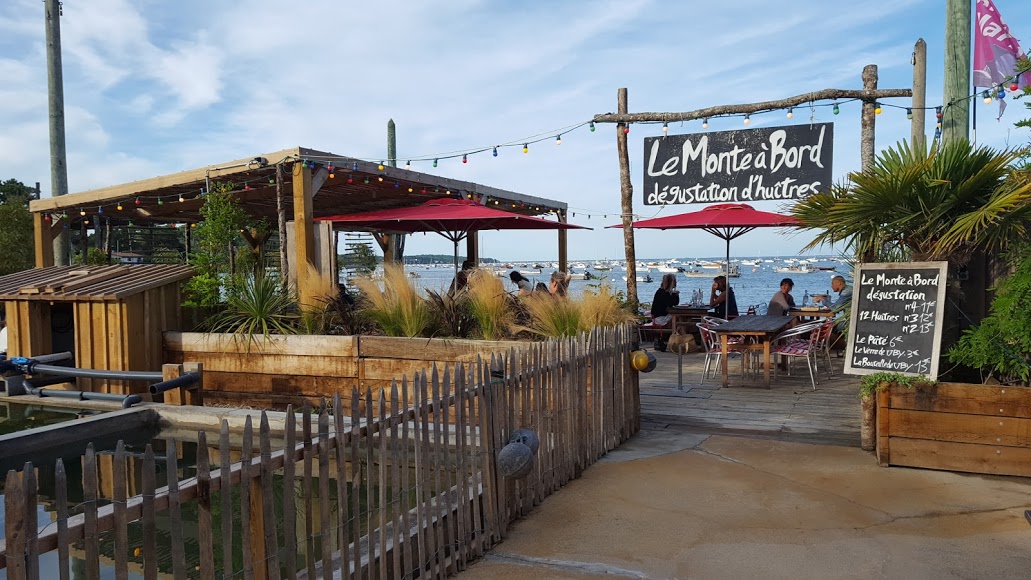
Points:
[(257, 306), (1001, 345)]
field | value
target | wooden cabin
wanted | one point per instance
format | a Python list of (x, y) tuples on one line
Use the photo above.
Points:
[(108, 317)]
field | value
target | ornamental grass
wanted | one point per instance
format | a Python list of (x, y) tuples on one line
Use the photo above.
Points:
[(396, 308), (490, 305)]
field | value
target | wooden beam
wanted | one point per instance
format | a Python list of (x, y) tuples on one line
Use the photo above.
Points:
[(43, 240), (823, 95), (472, 247), (304, 235), (132, 189)]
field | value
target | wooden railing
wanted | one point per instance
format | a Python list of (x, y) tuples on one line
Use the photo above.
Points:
[(408, 487)]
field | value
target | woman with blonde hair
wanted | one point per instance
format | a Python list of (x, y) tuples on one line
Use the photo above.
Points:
[(559, 285)]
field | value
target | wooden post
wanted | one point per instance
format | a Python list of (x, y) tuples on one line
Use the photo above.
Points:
[(168, 372), (472, 247), (918, 140), (193, 394), (284, 258), (956, 112), (866, 142), (627, 195), (43, 238), (563, 243), (304, 235)]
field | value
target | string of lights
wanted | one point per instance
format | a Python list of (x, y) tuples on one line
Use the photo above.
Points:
[(336, 164)]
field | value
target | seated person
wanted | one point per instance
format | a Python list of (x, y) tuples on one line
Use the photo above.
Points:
[(521, 282), (782, 301), (722, 300), (462, 278), (559, 285), (841, 304), (541, 288), (667, 295)]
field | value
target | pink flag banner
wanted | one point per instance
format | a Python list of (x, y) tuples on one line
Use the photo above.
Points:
[(995, 52)]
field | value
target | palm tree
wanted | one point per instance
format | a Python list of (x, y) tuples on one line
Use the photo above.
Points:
[(942, 204)]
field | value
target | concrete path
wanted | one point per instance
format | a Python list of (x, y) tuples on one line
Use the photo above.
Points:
[(689, 505)]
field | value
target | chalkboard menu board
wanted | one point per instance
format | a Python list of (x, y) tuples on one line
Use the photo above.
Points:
[(896, 318)]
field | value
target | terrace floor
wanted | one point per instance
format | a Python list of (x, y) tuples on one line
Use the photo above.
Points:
[(745, 482), (789, 411)]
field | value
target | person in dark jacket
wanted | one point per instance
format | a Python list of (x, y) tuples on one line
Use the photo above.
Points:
[(722, 300), (666, 296)]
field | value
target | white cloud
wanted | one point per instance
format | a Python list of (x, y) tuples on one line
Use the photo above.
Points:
[(160, 87)]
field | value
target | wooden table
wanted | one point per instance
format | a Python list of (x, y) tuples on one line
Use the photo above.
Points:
[(810, 314), (761, 327), (683, 315)]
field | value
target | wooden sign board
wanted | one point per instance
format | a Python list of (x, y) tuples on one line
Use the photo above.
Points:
[(765, 164), (896, 319)]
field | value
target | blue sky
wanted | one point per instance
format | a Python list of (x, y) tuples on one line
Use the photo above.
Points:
[(156, 87)]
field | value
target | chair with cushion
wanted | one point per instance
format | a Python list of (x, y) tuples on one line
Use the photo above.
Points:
[(801, 341), (713, 346)]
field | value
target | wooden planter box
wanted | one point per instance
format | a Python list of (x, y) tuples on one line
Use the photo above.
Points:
[(287, 369), (956, 427)]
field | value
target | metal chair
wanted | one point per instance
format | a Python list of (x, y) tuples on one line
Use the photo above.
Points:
[(798, 342), (713, 320), (713, 346)]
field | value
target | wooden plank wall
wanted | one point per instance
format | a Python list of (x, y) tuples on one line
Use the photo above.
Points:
[(956, 427), (288, 369), (404, 490), (28, 328)]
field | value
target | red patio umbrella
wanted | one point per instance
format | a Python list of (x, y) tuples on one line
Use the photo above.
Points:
[(724, 220), (451, 218)]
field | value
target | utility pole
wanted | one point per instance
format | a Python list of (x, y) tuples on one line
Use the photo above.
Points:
[(55, 86), (956, 112), (918, 140)]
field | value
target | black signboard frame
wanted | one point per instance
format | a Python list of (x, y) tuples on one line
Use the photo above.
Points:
[(864, 275), (742, 166)]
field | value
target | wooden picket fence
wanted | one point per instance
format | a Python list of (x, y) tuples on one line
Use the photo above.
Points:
[(408, 486)]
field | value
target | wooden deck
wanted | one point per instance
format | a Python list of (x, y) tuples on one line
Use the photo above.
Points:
[(790, 410)]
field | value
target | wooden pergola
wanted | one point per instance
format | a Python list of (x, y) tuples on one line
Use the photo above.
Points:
[(297, 184)]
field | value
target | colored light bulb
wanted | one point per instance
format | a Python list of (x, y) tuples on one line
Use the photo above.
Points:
[(626, 130), (791, 113), (748, 119), (877, 108), (181, 197), (119, 206), (355, 166), (100, 209), (526, 148), (987, 97), (380, 166), (161, 201), (465, 158), (909, 113), (836, 110), (705, 123), (434, 162), (1014, 86), (591, 125), (558, 139), (665, 129), (495, 152), (409, 164), (138, 202)]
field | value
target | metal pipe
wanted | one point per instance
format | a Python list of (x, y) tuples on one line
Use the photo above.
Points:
[(44, 381), (180, 381), (93, 373), (82, 395), (131, 400)]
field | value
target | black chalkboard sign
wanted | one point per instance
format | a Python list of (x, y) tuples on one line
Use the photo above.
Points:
[(771, 163), (896, 320)]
